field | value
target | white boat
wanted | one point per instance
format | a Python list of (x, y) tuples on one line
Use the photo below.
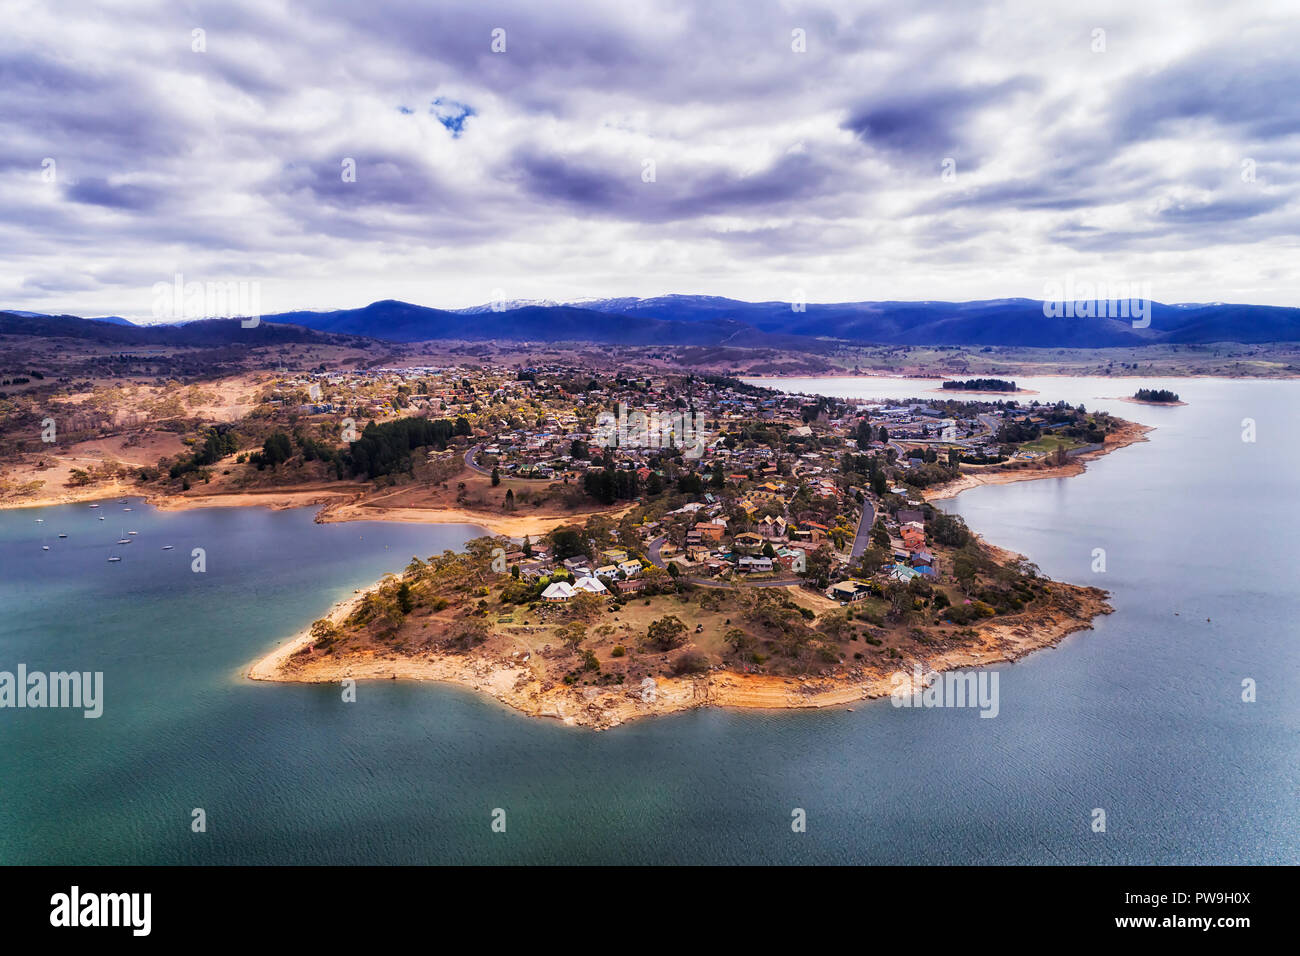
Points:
[(168, 547), (63, 536), (101, 517), (113, 557), (45, 547), (94, 506), (133, 532), (126, 509), (40, 521)]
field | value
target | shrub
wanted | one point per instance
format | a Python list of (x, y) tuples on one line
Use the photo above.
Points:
[(692, 662)]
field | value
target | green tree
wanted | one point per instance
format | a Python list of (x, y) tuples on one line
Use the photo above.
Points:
[(276, 449), (666, 633)]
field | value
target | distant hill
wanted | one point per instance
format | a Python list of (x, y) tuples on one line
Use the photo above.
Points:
[(402, 322), (1006, 322), (205, 333)]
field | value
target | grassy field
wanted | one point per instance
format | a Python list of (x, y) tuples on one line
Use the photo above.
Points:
[(1049, 443)]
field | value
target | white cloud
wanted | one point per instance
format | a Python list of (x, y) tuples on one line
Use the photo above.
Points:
[(774, 170)]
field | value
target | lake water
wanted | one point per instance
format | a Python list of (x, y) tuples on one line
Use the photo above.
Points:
[(1141, 717)]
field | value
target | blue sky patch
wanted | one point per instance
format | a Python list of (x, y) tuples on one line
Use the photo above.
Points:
[(451, 114)]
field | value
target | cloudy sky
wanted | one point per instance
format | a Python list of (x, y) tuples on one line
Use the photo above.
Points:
[(900, 150)]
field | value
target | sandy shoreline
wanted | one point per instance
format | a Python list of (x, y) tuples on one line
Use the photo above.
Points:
[(338, 501), (513, 682)]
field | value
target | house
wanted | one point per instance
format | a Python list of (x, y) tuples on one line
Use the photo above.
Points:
[(752, 564), (578, 565), (590, 585), (922, 557), (789, 557), (614, 555), (630, 568), (558, 592), (630, 586), (708, 532), (748, 541), (698, 552), (848, 591), (817, 532), (607, 571), (900, 572)]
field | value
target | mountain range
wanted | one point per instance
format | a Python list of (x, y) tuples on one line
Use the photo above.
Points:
[(713, 321)]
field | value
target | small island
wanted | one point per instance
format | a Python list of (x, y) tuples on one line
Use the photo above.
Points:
[(984, 386), (1151, 396), (1156, 396)]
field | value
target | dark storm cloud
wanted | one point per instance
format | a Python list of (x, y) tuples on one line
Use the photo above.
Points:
[(1222, 210), (616, 187), (365, 179), (932, 123), (99, 192), (1229, 86)]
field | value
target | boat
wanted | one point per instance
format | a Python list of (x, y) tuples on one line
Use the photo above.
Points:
[(45, 547), (123, 540), (94, 506), (133, 532), (62, 535), (101, 517), (40, 521), (168, 547), (126, 509), (113, 557)]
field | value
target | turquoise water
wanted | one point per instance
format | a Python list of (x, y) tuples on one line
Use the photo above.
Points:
[(1141, 716)]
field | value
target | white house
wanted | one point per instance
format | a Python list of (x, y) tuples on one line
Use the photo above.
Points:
[(591, 585), (559, 591)]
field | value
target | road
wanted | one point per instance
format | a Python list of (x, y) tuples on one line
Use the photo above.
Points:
[(471, 464), (863, 538)]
